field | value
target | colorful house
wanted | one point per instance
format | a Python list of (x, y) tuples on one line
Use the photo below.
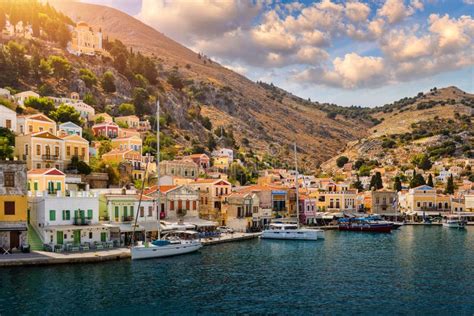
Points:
[(179, 168), (21, 97), (69, 128), (13, 205), (241, 208), (177, 201), (46, 180), (132, 142), (132, 121), (128, 132), (212, 194), (222, 162), (106, 129), (425, 201), (40, 150), (34, 123), (69, 221), (75, 146), (8, 118), (202, 160)]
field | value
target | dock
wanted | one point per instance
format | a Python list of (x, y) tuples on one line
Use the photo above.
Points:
[(39, 258)]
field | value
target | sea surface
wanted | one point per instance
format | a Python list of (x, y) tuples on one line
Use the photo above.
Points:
[(416, 270)]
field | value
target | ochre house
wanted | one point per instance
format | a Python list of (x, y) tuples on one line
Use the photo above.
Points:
[(34, 123), (75, 146), (46, 180), (40, 150), (13, 205)]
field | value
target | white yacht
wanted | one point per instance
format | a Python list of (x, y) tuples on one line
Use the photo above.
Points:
[(165, 248), (291, 231)]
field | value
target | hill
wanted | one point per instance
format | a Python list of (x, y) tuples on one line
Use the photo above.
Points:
[(437, 124), (260, 122)]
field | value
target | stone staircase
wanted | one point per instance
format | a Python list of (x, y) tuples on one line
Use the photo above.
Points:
[(33, 239)]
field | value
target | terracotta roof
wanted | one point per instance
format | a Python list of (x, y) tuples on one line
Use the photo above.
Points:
[(163, 189), (117, 151), (40, 117), (46, 135), (49, 172), (195, 156), (123, 138)]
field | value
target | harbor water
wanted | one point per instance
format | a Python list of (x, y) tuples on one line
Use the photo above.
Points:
[(416, 270)]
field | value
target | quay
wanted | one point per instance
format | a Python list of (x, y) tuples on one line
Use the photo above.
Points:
[(38, 258)]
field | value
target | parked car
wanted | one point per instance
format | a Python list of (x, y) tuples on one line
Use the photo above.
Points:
[(225, 229)]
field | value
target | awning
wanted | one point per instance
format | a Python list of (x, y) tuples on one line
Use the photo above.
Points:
[(199, 222), (13, 227), (429, 213), (123, 227), (74, 227)]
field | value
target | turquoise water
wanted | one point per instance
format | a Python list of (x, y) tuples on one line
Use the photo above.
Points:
[(417, 270)]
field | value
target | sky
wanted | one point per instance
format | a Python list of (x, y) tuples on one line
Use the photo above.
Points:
[(365, 53)]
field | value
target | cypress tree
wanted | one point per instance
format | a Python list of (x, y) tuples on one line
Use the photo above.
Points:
[(430, 181), (397, 184), (450, 185)]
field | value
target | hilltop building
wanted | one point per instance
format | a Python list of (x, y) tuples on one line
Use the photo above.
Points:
[(85, 40)]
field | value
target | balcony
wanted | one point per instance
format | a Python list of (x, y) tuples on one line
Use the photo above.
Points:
[(50, 157), (81, 221)]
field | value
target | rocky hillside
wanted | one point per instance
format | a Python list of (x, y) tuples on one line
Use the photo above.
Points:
[(260, 122), (437, 124)]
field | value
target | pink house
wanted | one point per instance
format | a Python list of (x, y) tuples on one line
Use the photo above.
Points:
[(107, 129), (308, 209), (202, 160)]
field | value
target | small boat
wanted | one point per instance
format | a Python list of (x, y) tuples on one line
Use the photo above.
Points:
[(455, 222), (291, 232), (365, 224), (397, 225)]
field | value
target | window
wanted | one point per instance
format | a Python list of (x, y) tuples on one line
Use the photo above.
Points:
[(35, 185), (418, 204), (8, 124), (194, 205), (142, 211), (52, 215), (9, 179), (38, 150), (40, 129), (26, 149), (68, 150), (30, 128), (125, 211), (90, 235), (83, 152), (180, 205), (171, 205), (66, 215), (58, 186), (56, 151), (116, 211), (187, 205), (76, 151), (9, 207), (150, 211), (131, 211), (89, 214)]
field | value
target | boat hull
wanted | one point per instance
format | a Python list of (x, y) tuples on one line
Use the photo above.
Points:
[(296, 234), (372, 228), (457, 225), (143, 252)]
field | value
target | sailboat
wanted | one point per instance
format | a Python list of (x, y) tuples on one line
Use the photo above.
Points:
[(161, 247), (292, 231), (455, 221)]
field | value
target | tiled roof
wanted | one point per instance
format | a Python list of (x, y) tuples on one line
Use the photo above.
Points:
[(163, 188), (46, 135), (50, 172)]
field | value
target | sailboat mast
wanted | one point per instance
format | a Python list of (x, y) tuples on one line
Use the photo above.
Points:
[(296, 189), (158, 165)]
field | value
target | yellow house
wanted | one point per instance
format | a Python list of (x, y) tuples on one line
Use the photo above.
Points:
[(51, 180), (123, 143), (104, 117), (222, 162), (213, 194), (335, 201), (34, 123), (132, 121), (127, 132), (77, 146), (13, 205), (134, 158), (40, 150), (424, 199)]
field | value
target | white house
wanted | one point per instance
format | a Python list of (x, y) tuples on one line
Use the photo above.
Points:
[(7, 118), (443, 176), (223, 152), (72, 219), (21, 97), (84, 109), (69, 128), (5, 93)]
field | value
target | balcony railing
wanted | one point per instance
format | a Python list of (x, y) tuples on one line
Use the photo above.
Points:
[(50, 157), (81, 221)]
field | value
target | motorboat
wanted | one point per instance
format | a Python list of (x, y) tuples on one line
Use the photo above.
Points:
[(365, 224), (455, 222), (291, 232), (170, 245)]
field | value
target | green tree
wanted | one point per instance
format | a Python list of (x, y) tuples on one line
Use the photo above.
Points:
[(42, 104), (6, 150), (44, 69), (376, 181), (397, 184), (126, 109), (88, 77), (450, 185), (430, 181), (66, 113), (364, 171), (83, 168), (417, 180), (105, 147), (89, 99), (358, 185), (211, 142), (422, 161), (17, 59), (341, 161), (174, 79), (140, 99), (108, 82), (61, 66)]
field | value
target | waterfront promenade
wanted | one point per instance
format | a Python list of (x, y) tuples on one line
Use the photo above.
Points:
[(48, 258)]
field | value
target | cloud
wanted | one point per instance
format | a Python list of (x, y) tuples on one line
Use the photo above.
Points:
[(395, 11), (352, 71), (357, 11)]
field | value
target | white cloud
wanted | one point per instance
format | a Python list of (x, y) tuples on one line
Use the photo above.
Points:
[(357, 11), (395, 11)]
